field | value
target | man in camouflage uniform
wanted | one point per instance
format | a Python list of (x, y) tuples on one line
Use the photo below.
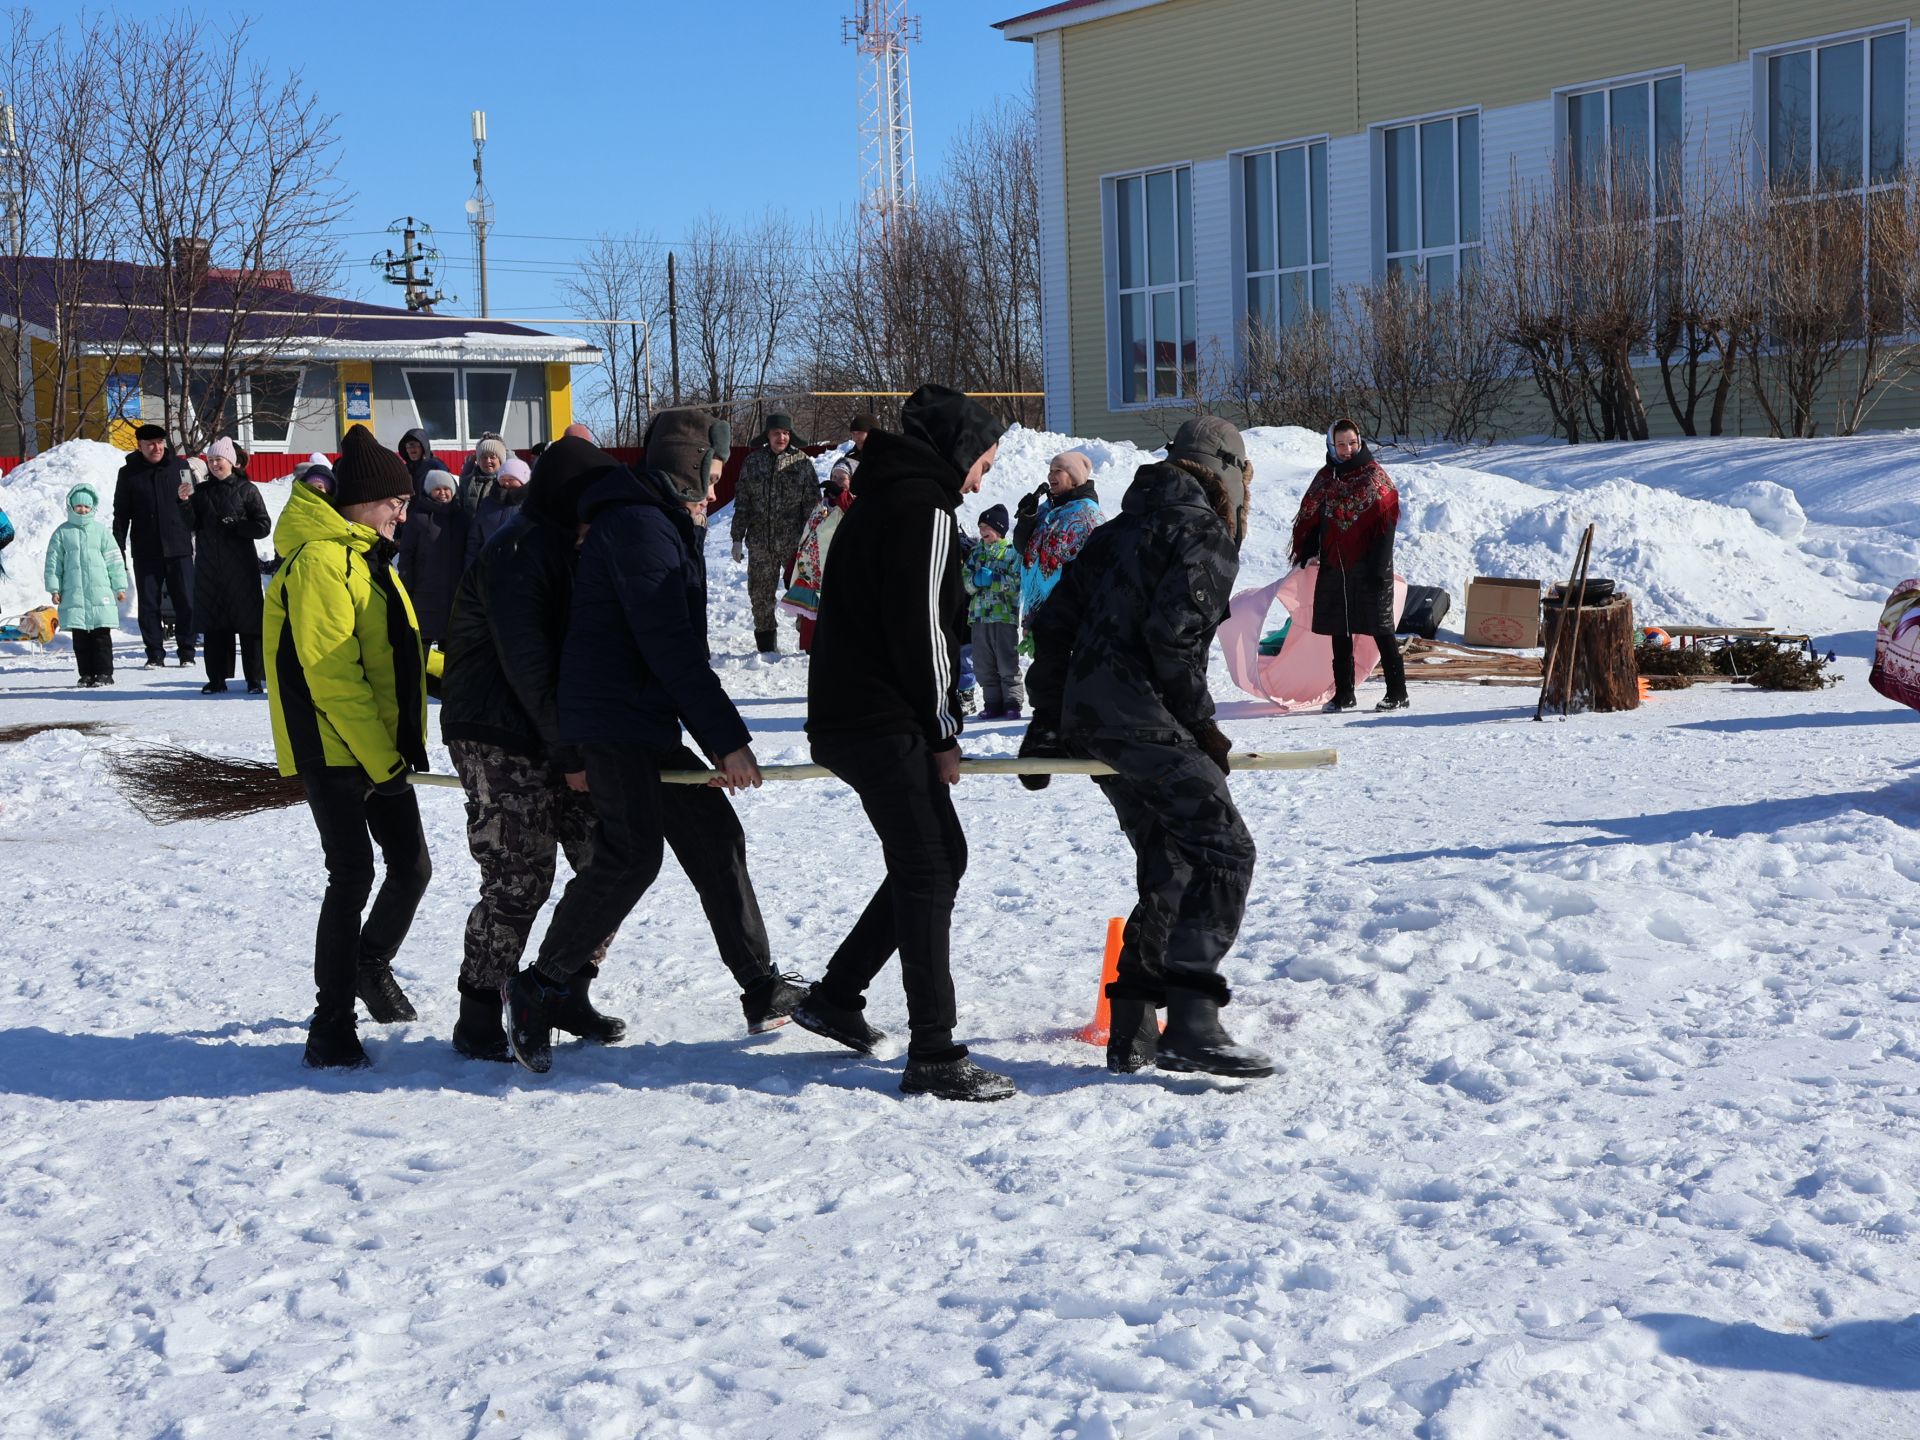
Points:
[(1120, 676), (777, 492)]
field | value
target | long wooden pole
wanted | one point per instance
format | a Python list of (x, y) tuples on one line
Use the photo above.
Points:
[(1576, 576), (1248, 760)]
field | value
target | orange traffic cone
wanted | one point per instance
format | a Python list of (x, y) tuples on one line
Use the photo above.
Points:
[(1095, 1031)]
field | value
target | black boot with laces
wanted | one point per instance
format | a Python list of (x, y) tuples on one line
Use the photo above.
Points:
[(770, 1003), (576, 1015), (386, 1002)]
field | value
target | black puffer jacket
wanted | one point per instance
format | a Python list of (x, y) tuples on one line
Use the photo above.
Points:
[(1121, 645), (433, 553), (146, 501), (228, 516), (893, 609), (502, 680)]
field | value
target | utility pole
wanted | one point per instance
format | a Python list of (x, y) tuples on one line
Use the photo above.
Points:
[(12, 220), (480, 207), (673, 325), (416, 250)]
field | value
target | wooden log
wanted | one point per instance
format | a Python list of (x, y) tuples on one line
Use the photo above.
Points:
[(1603, 673)]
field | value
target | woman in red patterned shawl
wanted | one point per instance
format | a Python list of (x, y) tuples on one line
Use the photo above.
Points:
[(1346, 521)]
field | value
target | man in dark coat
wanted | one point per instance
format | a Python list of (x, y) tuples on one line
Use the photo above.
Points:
[(883, 714), (1120, 676), (433, 552), (151, 501), (634, 668), (1346, 522), (228, 517), (527, 788)]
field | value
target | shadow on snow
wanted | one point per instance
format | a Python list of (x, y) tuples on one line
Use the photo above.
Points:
[(1879, 1354)]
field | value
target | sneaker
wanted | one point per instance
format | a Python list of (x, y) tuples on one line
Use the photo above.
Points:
[(1339, 703), (843, 1027), (1393, 702), (87, 682), (479, 1034), (575, 1014), (954, 1080), (386, 1002), (186, 658), (770, 1003), (528, 998), (333, 1043), (214, 687)]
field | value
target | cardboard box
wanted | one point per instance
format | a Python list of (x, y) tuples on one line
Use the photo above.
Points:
[(1504, 614)]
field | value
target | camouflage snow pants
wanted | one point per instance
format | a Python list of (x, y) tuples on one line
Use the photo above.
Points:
[(1193, 863), (765, 583), (519, 813)]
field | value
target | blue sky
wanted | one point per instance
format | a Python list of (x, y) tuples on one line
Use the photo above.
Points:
[(608, 117)]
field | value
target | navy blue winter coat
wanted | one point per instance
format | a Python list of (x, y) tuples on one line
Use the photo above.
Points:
[(636, 665)]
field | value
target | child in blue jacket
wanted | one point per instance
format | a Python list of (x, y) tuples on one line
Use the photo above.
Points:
[(87, 579)]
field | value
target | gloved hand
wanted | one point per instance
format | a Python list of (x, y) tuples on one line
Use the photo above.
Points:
[(395, 784), (739, 551), (1215, 746), (1029, 505), (1041, 742)]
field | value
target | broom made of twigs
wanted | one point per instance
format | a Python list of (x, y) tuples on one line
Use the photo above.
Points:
[(170, 783)]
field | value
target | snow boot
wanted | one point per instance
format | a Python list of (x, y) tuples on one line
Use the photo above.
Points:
[(577, 1017), (333, 1043), (969, 702), (1393, 702), (1195, 1041), (386, 1002), (836, 1023), (1339, 703), (959, 1079), (769, 1003), (530, 999), (214, 687), (767, 642), (1013, 713), (1133, 1032), (478, 1033)]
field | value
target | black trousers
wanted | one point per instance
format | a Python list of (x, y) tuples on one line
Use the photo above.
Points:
[(352, 820), (1193, 864), (93, 653), (706, 838), (217, 654), (925, 851), (1391, 664), (175, 572)]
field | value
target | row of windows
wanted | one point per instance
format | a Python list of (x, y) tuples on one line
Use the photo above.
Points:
[(1835, 123)]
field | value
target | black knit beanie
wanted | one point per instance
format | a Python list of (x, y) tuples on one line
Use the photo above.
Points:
[(367, 470)]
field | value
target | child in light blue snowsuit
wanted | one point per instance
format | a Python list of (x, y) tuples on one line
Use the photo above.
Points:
[(87, 578)]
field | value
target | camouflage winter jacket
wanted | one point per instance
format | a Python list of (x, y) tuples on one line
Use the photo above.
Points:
[(773, 500), (1121, 644)]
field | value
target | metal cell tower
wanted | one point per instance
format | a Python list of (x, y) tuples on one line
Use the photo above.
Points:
[(480, 207), (881, 30)]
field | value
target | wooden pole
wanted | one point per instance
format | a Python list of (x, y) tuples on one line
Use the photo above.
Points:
[(1248, 760), (1575, 576)]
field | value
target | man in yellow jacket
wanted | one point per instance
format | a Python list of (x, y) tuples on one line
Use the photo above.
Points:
[(349, 707)]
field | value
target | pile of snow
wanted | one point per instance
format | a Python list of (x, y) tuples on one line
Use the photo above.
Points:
[(35, 499)]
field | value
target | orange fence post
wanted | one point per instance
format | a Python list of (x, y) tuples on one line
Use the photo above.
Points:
[(1095, 1032)]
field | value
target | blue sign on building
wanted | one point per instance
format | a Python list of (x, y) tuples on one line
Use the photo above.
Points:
[(359, 400)]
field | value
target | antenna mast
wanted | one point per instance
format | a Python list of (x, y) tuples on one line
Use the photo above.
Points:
[(480, 208), (881, 30)]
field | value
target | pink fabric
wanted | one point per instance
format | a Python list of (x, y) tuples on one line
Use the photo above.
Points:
[(1300, 677)]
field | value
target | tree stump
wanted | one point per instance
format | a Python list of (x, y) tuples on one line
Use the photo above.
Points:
[(1605, 673)]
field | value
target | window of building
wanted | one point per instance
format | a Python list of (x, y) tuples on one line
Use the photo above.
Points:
[(1431, 171), (1837, 115), (436, 403), (271, 397), (488, 392), (1156, 350), (211, 393), (1625, 142), (1283, 197)]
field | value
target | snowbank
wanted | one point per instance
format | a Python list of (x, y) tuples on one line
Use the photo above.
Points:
[(35, 499)]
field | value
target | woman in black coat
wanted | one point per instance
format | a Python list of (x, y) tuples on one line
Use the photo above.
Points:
[(433, 553), (228, 516), (1346, 521)]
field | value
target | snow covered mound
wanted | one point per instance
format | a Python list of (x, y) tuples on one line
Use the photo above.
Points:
[(35, 499)]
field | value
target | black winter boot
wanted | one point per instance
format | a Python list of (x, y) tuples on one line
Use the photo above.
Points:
[(333, 1043), (835, 1023), (479, 1034), (386, 1002), (577, 1017), (767, 642), (1195, 1041), (1133, 1034), (530, 1001), (959, 1079), (770, 1002)]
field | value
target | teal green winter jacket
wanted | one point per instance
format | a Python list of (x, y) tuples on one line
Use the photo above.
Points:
[(84, 567)]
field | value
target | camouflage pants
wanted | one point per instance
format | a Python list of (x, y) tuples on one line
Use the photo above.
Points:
[(764, 583), (519, 813), (1193, 862)]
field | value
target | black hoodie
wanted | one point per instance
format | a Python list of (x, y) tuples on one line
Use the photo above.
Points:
[(893, 613)]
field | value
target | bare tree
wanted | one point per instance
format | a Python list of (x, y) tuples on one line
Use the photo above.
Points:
[(622, 278), (1388, 330), (1474, 374), (1704, 295), (1296, 374)]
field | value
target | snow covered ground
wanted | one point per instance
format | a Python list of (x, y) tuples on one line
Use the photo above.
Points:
[(1599, 1113)]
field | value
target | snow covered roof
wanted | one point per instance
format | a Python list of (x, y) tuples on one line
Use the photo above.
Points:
[(1066, 12)]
